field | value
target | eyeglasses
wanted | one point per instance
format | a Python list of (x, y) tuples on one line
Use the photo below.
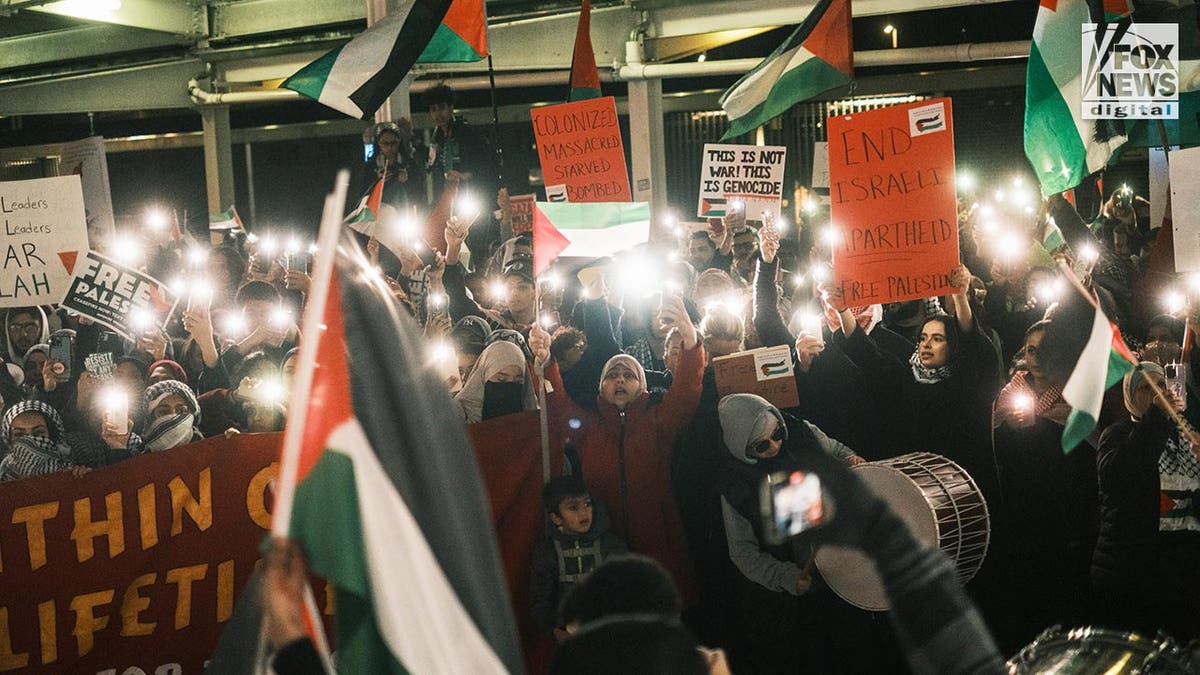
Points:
[(25, 327), (761, 447)]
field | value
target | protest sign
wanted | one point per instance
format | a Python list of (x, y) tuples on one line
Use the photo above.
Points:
[(751, 174), (521, 207), (133, 568), (117, 296), (581, 152), (1159, 185), (820, 167), (100, 364), (86, 159), (1185, 194), (767, 371), (45, 231), (893, 202)]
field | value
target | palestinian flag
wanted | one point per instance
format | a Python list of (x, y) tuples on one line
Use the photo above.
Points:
[(1063, 147), (816, 58), (357, 77), (713, 207), (1185, 130), (1081, 335), (586, 229), (226, 220), (585, 80), (367, 211)]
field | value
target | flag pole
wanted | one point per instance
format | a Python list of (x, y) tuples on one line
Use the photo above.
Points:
[(495, 110), (1184, 427), (543, 414)]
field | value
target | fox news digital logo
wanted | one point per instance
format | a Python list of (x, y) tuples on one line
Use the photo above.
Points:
[(1130, 71)]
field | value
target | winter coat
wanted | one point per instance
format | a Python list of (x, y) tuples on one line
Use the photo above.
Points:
[(626, 457), (562, 560)]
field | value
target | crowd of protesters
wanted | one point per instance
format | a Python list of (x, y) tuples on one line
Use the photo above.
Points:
[(661, 464)]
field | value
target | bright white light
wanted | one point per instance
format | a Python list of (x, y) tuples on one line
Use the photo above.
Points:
[(810, 323), (1088, 254), (201, 293), (407, 227), (269, 246), (313, 248), (1022, 401), (271, 391), (673, 286), (141, 320), (547, 321), (233, 325), (669, 218), (197, 255), (441, 351), (156, 219), (126, 249), (281, 317), (781, 225), (1174, 302), (736, 205), (498, 290), (96, 10), (986, 210), (251, 238), (999, 195), (810, 206), (466, 206), (553, 280), (673, 256), (1010, 246), (1017, 181), (178, 284), (889, 28), (113, 397), (1194, 281), (437, 300), (831, 236), (965, 180), (797, 280), (293, 245), (819, 273), (680, 232), (1029, 211), (989, 227), (1048, 292)]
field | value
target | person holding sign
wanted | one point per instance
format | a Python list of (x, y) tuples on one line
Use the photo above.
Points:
[(940, 401), (626, 446)]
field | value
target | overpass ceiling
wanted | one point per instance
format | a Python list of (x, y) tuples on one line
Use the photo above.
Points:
[(65, 42)]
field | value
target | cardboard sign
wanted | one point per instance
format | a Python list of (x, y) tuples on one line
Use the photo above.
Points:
[(122, 298), (580, 148), (45, 231), (521, 207), (86, 159), (133, 567), (1160, 185), (767, 371), (893, 203), (751, 174), (1185, 193)]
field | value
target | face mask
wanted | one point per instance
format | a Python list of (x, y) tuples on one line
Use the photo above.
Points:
[(169, 432), (501, 398)]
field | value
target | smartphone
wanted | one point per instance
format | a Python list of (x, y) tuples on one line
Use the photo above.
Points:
[(297, 261), (1125, 197), (116, 412), (792, 503), (1176, 384), (61, 344)]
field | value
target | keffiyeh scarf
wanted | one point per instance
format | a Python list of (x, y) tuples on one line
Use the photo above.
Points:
[(34, 456), (926, 375)]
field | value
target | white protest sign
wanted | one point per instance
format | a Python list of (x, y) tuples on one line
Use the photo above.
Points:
[(101, 365), (1185, 218), (751, 174), (120, 297), (820, 174), (44, 232), (87, 160), (1159, 184)]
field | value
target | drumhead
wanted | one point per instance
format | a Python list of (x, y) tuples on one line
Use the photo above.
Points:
[(848, 571), (1099, 650)]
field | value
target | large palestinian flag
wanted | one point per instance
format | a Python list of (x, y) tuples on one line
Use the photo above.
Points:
[(389, 505), (586, 229), (358, 77), (816, 58)]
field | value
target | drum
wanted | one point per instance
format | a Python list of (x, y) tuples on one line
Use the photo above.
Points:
[(1097, 650), (938, 501)]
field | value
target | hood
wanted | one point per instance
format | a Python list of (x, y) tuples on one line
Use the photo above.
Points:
[(745, 417), (630, 363), (53, 419), (43, 336)]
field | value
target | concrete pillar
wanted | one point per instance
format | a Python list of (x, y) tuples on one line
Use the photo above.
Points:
[(646, 149), (218, 157)]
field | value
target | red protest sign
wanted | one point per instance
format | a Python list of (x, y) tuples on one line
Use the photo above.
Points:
[(892, 201), (521, 207), (579, 145), (133, 567)]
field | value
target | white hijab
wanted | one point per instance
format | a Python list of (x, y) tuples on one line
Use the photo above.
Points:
[(497, 357)]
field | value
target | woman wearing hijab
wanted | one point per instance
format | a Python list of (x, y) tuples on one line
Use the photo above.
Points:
[(33, 434), (759, 441), (626, 445), (1144, 569), (499, 384), (165, 369), (173, 416)]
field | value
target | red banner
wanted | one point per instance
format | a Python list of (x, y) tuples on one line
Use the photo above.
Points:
[(893, 202), (582, 155), (134, 567)]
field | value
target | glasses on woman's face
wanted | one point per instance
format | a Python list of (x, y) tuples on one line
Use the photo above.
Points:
[(27, 327), (762, 447)]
